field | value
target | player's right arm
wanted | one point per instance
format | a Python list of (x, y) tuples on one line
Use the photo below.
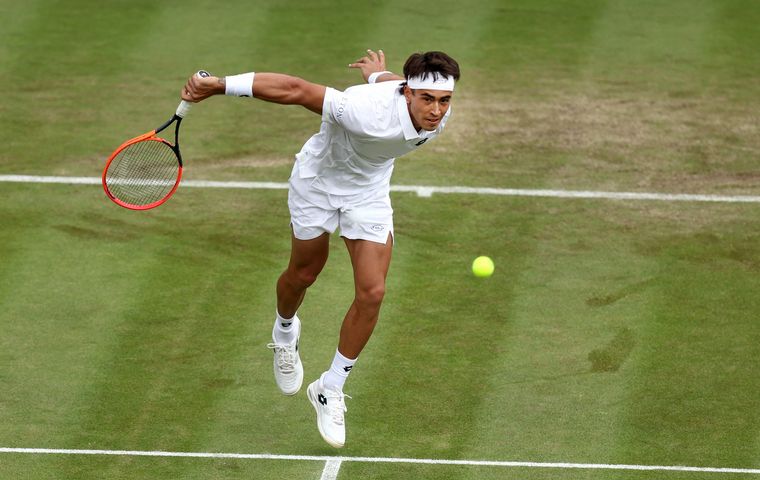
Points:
[(270, 87), (289, 90)]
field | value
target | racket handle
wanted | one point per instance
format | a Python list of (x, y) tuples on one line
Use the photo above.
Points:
[(184, 106)]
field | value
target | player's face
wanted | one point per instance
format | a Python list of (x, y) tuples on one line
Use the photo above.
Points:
[(427, 107)]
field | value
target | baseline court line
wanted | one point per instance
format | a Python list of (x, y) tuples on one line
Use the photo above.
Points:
[(424, 461), (427, 191)]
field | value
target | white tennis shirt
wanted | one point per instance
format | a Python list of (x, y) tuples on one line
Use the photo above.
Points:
[(363, 130)]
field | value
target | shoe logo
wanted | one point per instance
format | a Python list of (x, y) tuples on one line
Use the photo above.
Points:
[(322, 399), (348, 368), (297, 342)]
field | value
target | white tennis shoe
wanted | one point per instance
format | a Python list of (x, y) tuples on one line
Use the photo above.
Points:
[(330, 405), (288, 370)]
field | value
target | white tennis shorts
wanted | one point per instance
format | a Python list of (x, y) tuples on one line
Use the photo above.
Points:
[(365, 216)]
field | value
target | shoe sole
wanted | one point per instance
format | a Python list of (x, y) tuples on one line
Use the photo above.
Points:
[(313, 401)]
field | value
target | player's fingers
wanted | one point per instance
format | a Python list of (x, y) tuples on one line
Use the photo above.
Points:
[(186, 94), (359, 63), (191, 91), (372, 55), (381, 57)]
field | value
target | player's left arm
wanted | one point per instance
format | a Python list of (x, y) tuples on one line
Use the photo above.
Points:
[(374, 63)]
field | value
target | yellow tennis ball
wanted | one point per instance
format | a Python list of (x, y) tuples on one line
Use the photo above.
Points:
[(482, 267)]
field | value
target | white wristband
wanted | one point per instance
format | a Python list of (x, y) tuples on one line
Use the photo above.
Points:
[(373, 77), (239, 85)]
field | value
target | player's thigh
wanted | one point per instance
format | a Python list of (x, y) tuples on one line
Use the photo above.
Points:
[(308, 257), (370, 260)]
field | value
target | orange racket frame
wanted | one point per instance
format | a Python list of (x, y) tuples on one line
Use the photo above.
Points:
[(146, 137)]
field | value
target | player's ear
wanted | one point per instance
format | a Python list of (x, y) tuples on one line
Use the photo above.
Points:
[(408, 94)]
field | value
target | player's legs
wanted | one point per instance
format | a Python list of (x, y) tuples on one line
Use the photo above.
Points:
[(366, 225), (312, 221), (307, 258), (370, 261)]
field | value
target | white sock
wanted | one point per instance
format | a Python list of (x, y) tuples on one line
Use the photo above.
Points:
[(336, 376), (285, 330)]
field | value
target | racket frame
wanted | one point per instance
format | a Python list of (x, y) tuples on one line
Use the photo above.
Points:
[(148, 136)]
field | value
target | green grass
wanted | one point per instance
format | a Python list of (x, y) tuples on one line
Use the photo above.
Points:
[(611, 332)]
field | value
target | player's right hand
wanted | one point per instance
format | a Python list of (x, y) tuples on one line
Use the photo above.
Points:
[(200, 88)]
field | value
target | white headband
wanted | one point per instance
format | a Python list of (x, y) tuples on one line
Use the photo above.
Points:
[(426, 82)]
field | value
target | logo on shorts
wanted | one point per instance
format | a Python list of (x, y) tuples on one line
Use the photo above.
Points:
[(378, 228)]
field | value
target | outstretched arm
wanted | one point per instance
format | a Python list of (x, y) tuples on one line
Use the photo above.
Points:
[(287, 89), (374, 63), (271, 87)]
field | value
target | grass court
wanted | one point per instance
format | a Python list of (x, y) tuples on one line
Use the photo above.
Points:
[(619, 332)]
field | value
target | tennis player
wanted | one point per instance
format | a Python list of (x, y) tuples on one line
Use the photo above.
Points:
[(341, 179)]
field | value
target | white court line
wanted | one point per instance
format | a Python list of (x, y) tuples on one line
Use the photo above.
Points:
[(424, 461), (427, 191), (332, 467)]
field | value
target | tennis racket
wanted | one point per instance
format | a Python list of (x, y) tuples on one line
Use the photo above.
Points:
[(145, 171)]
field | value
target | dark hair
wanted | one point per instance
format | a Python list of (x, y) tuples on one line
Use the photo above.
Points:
[(430, 63)]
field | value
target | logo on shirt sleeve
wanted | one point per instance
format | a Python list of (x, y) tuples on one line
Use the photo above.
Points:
[(421, 142), (341, 107)]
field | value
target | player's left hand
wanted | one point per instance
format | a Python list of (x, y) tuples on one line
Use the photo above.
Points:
[(370, 63)]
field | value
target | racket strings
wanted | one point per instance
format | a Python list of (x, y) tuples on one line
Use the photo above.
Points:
[(143, 172)]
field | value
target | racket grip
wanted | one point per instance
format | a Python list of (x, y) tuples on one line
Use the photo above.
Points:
[(184, 106)]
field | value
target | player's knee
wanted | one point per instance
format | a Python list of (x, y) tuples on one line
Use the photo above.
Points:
[(307, 277), (303, 277), (371, 296)]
